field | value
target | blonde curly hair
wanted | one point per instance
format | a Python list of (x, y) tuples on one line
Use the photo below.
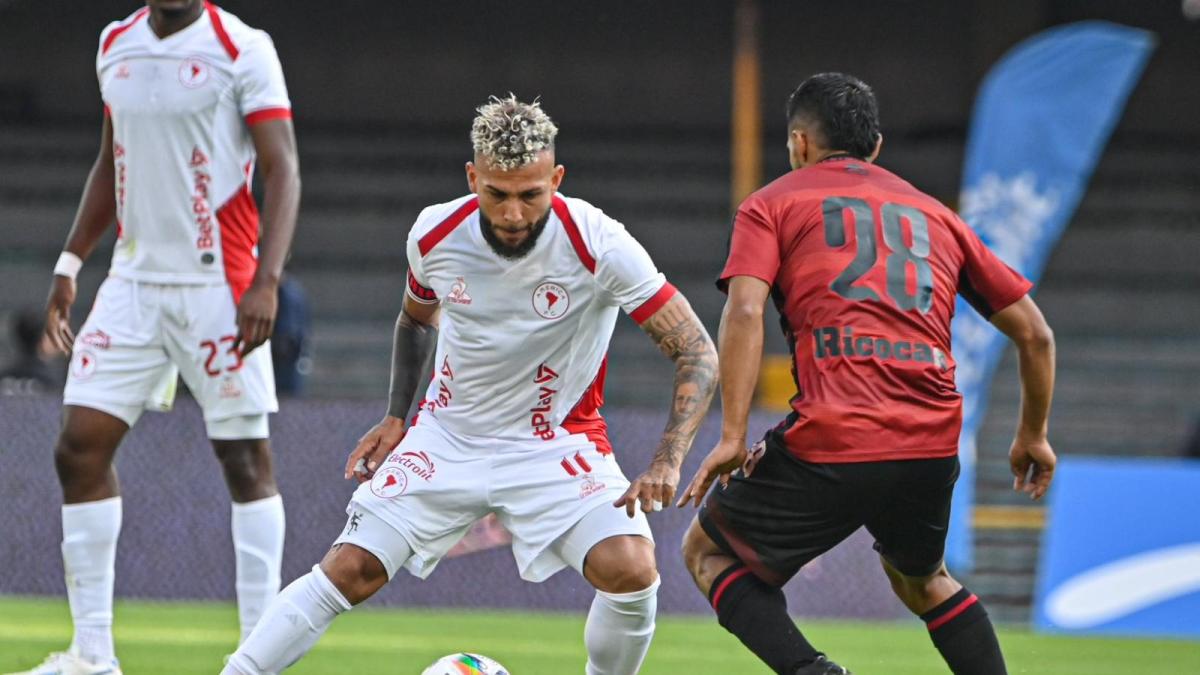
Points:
[(510, 134)]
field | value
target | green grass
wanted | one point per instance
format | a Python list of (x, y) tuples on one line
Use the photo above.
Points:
[(184, 638)]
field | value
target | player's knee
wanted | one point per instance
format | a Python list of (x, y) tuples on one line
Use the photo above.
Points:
[(698, 551), (693, 551), (77, 456), (622, 564), (920, 592), (356, 572), (247, 468)]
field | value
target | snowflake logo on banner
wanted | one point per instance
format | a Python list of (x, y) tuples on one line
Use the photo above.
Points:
[(1009, 214)]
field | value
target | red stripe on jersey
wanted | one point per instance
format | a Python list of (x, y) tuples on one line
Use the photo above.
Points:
[(107, 111), (587, 468), (215, 17), (568, 468), (585, 417), (444, 228), (655, 303), (238, 220), (564, 215), (116, 32), (268, 114)]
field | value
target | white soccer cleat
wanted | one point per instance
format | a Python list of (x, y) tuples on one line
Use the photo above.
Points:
[(65, 663)]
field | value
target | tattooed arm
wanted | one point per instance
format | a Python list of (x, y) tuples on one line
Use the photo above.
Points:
[(413, 342), (677, 331)]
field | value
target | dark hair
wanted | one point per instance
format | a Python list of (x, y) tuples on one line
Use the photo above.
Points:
[(842, 109)]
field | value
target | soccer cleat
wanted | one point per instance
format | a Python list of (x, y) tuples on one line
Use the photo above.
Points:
[(822, 666), (65, 663)]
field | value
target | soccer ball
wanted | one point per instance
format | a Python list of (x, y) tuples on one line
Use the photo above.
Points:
[(465, 664)]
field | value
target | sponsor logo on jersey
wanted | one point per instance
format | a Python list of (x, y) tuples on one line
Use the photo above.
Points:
[(352, 525), (550, 300), (416, 462), (193, 72), (97, 338), (458, 292), (833, 342), (83, 366), (389, 482), (589, 486), (229, 388), (542, 427), (200, 209)]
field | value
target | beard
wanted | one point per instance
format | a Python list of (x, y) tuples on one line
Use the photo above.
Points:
[(512, 252), (174, 13)]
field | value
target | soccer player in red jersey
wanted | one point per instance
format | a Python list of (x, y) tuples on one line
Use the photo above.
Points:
[(864, 270)]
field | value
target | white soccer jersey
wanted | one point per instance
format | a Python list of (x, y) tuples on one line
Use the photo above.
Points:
[(522, 343), (180, 108)]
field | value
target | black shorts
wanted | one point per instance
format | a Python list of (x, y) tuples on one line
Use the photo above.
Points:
[(788, 511)]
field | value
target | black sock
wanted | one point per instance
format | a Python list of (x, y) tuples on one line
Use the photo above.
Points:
[(962, 632), (757, 615)]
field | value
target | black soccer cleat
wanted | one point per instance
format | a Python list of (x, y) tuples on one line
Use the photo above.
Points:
[(822, 666)]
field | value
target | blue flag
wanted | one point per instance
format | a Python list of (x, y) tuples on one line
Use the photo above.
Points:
[(1041, 120)]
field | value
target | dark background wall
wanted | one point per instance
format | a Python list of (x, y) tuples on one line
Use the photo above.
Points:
[(613, 63)]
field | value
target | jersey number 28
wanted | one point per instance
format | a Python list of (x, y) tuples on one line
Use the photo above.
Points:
[(899, 255)]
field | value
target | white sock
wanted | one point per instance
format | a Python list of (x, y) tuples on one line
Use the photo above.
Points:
[(89, 549), (258, 549), (619, 629), (293, 622)]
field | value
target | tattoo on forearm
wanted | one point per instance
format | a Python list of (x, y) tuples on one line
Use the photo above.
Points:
[(412, 345), (679, 334)]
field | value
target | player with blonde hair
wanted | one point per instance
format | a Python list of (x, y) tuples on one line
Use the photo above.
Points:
[(516, 288)]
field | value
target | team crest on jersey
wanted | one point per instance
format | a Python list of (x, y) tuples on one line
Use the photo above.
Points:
[(122, 72), (550, 300), (83, 366), (458, 292), (193, 72), (389, 482)]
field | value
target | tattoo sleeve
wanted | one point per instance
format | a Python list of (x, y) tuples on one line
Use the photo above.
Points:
[(412, 352), (677, 331)]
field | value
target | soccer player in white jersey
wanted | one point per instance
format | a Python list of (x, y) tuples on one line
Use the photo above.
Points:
[(519, 287), (192, 96)]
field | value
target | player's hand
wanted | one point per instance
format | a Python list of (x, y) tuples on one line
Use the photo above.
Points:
[(653, 488), (1032, 461), (724, 459), (256, 316), (373, 447), (58, 313)]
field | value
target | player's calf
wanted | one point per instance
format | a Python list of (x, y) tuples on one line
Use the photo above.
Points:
[(753, 611), (958, 624)]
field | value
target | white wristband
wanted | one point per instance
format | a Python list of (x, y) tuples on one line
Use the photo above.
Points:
[(68, 265)]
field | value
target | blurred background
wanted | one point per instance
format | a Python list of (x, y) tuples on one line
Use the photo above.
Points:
[(644, 95)]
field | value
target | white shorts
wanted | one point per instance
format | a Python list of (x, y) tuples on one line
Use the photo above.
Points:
[(435, 485), (140, 336)]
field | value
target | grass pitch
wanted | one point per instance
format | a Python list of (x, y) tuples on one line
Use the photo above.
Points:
[(186, 638)]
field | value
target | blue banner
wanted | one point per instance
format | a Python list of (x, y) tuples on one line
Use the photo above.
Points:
[(1041, 120), (1122, 554)]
